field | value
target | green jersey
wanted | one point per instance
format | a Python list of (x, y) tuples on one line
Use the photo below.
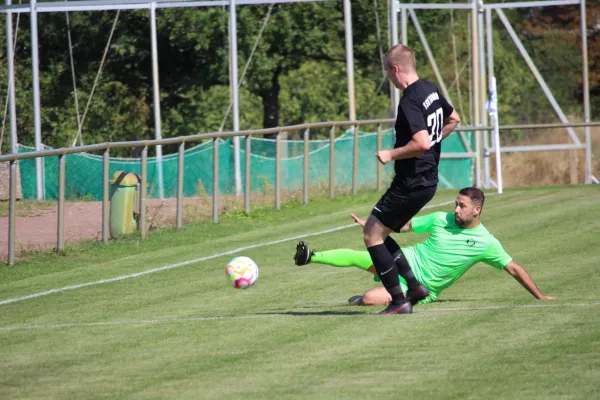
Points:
[(450, 251)]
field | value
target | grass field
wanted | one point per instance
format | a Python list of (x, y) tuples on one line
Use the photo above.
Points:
[(183, 333)]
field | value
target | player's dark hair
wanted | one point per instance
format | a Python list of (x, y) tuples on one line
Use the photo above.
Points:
[(476, 195)]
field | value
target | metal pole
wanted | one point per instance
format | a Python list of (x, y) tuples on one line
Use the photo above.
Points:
[(394, 28), (531, 4), (490, 46), (332, 162), (482, 78), (470, 56), (156, 93), (379, 166), (248, 174), (277, 171), (355, 163), (144, 179), (39, 162), (60, 240), (436, 70), (13, 138), (215, 205), (105, 199), (180, 173), (305, 186), (404, 25), (476, 92), (233, 82), (349, 59), (542, 147), (483, 97), (11, 81), (496, 143), (586, 94), (493, 91), (12, 188), (404, 29), (96, 5), (496, 140), (487, 179)]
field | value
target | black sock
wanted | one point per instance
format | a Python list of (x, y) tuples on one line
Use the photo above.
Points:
[(406, 272), (387, 271), (401, 263), (392, 246)]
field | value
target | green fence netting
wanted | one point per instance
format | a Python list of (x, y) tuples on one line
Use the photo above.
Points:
[(84, 171)]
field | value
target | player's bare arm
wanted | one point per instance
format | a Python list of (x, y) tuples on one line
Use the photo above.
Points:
[(450, 124), (519, 273), (418, 145)]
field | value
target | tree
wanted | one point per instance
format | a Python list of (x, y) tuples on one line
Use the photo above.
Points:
[(556, 31), (297, 74)]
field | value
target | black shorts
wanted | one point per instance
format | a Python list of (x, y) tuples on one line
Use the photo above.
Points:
[(399, 204)]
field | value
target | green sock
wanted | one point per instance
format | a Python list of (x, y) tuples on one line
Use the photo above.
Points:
[(343, 258)]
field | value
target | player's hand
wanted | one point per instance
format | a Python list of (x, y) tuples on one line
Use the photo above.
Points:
[(359, 221), (544, 297), (384, 156)]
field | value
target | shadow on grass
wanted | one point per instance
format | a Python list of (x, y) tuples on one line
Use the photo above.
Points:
[(314, 313), (304, 311), (452, 300)]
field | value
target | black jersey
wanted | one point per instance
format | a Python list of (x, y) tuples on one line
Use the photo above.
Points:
[(421, 107)]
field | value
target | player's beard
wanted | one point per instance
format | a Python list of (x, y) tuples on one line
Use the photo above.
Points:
[(460, 222)]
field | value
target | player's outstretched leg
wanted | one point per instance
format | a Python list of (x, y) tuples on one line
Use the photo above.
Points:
[(341, 258)]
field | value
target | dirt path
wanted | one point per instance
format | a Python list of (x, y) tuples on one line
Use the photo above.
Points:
[(83, 221), (37, 223)]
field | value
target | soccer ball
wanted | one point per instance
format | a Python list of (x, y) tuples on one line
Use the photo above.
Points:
[(242, 272)]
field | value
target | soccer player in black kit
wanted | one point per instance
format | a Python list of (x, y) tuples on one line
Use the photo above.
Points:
[(424, 119)]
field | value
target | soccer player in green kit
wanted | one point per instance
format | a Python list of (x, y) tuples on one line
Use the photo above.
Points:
[(457, 241)]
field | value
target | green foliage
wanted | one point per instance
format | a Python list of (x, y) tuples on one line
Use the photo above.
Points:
[(297, 73), (317, 91), (201, 110)]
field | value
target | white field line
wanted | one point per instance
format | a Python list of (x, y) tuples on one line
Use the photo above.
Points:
[(170, 321), (183, 263), (546, 303)]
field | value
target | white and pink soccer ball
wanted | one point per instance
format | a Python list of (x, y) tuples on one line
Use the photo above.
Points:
[(242, 272)]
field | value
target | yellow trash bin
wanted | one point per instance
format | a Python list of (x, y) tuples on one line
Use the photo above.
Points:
[(123, 193)]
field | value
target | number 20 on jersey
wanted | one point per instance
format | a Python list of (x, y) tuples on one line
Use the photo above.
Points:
[(435, 123)]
